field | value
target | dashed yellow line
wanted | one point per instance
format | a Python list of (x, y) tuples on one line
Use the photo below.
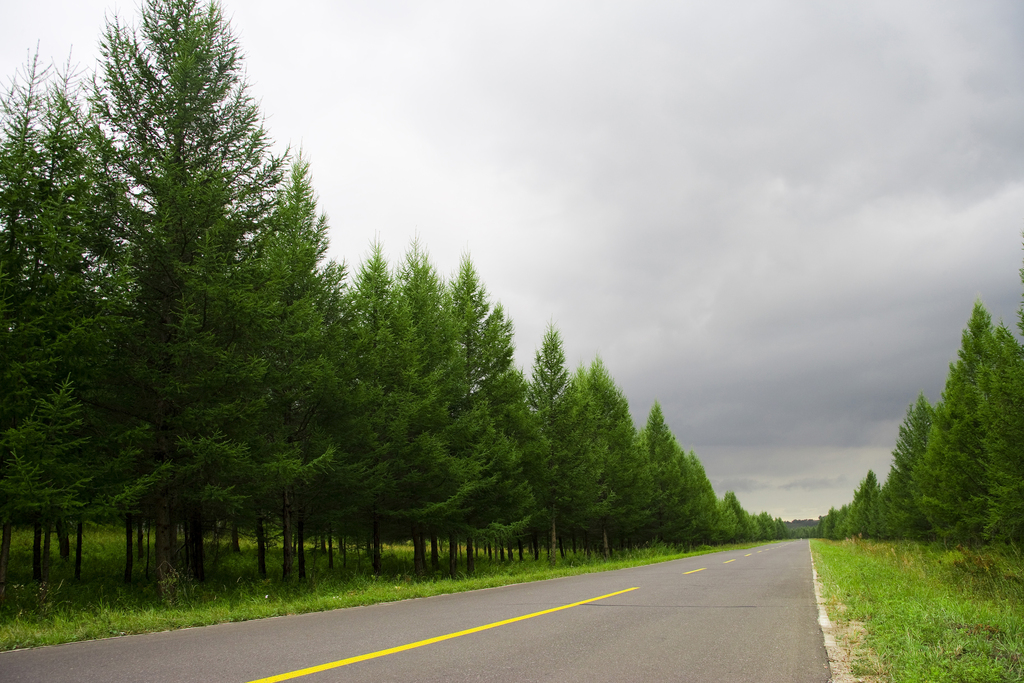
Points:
[(748, 554), (728, 561), (429, 641), (696, 570)]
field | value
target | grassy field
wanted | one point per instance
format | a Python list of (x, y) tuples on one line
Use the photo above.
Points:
[(929, 613), (100, 605)]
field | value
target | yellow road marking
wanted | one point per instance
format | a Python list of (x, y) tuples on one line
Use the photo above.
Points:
[(696, 570), (428, 641), (748, 554), (728, 561)]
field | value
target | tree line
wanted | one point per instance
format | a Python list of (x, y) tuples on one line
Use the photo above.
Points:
[(179, 354), (957, 472)]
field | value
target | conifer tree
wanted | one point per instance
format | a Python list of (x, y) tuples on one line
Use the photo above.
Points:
[(299, 339), (189, 160), (625, 481), (549, 459), (53, 288), (901, 495), (865, 516), (1003, 416), (952, 475), (661, 451), (490, 424)]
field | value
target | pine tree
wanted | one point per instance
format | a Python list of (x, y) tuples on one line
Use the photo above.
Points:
[(1003, 416), (624, 483), (661, 451), (293, 447), (952, 474), (490, 423), (549, 459), (189, 165), (865, 517), (901, 495), (53, 286)]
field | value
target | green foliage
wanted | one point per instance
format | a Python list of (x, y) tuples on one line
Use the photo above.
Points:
[(952, 474), (1003, 415), (864, 519), (901, 496), (54, 285)]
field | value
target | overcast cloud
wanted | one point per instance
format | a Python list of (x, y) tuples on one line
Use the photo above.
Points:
[(772, 217)]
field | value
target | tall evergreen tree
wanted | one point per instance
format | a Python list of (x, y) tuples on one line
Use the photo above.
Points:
[(952, 474), (865, 518), (186, 152), (549, 459), (53, 285), (624, 483), (1003, 416), (662, 452), (490, 425), (901, 495), (301, 292)]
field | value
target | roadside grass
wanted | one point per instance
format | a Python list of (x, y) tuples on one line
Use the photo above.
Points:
[(100, 605), (930, 613)]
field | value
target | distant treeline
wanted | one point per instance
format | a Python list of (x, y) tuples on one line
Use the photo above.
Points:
[(178, 354), (957, 472)]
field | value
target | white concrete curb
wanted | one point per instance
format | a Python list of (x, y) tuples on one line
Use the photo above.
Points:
[(838, 660)]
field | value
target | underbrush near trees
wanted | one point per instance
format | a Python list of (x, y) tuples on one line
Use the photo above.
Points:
[(931, 613), (100, 605)]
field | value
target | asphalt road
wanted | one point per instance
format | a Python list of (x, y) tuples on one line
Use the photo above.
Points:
[(744, 615)]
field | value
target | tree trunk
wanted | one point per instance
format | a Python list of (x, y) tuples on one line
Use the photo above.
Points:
[(470, 561), (536, 546), (44, 568), (235, 548), (300, 544), (418, 565), (453, 555), (561, 548), (37, 551), (520, 542), (198, 554), (129, 556), (261, 548), (378, 566), (607, 548), (330, 548), (78, 551), (435, 558), (286, 543), (501, 549), (63, 542), (554, 541), (138, 537), (164, 551), (5, 556)]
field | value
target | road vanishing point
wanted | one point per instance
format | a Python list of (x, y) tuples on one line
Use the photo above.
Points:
[(738, 615)]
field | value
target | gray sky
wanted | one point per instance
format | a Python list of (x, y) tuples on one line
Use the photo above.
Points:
[(772, 217)]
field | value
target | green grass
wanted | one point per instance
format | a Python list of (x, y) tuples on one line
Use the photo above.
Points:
[(100, 605), (930, 613)]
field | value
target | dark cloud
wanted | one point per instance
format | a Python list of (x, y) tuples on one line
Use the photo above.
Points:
[(816, 484)]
